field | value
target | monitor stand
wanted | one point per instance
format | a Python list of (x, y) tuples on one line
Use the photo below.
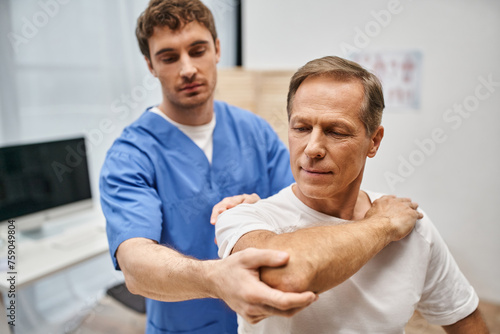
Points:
[(37, 233)]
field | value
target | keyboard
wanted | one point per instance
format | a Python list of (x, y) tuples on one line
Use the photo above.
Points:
[(38, 258), (79, 236)]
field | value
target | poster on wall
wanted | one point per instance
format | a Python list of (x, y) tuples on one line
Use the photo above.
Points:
[(400, 74)]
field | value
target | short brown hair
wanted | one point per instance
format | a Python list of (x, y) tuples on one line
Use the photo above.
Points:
[(173, 14), (342, 69)]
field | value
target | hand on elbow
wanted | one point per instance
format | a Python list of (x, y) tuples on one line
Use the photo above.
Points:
[(286, 280), (237, 282)]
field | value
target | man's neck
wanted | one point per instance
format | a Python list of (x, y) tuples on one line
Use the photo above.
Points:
[(197, 115), (363, 204), (352, 204)]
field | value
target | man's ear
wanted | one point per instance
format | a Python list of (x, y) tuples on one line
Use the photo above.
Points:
[(150, 66), (375, 140), (217, 50)]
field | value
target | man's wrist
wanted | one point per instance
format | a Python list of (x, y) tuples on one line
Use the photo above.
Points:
[(210, 272), (384, 228)]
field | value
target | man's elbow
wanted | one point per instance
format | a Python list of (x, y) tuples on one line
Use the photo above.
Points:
[(130, 281), (284, 279), (132, 286)]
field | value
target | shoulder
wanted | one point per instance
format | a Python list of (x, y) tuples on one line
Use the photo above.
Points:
[(138, 137), (224, 107), (233, 113), (266, 208), (373, 195), (277, 213), (136, 141), (424, 228), (279, 202), (264, 215)]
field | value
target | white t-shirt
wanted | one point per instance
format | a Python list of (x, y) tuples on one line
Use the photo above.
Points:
[(201, 135), (417, 272)]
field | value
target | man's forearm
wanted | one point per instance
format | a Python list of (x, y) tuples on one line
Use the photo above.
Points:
[(160, 273), (472, 324), (320, 257)]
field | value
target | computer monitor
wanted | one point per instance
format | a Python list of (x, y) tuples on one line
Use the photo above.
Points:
[(42, 181)]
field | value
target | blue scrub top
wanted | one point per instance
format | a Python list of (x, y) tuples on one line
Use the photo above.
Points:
[(156, 183)]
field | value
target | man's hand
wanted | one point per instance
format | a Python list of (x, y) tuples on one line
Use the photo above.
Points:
[(401, 213), (237, 282), (230, 202)]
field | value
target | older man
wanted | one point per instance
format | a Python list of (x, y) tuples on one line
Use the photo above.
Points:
[(335, 110)]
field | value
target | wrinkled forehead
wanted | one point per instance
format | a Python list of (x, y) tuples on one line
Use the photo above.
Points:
[(329, 93)]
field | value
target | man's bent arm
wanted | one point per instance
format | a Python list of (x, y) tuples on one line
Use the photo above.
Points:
[(325, 256), (148, 267), (160, 273), (472, 324)]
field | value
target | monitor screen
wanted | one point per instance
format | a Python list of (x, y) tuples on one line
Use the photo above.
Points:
[(41, 176)]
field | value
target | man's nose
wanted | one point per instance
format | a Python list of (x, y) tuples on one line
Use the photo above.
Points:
[(188, 70), (315, 148)]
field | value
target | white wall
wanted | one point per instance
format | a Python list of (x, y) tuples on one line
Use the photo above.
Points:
[(225, 14), (457, 181)]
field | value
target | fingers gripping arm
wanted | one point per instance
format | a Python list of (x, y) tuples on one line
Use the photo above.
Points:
[(160, 273)]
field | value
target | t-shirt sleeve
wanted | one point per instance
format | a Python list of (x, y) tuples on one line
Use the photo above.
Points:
[(447, 296), (234, 223), (129, 200)]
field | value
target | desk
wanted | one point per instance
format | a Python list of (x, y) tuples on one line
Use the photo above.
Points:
[(36, 259)]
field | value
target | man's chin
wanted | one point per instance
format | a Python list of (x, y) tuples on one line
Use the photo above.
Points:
[(194, 101), (313, 190)]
